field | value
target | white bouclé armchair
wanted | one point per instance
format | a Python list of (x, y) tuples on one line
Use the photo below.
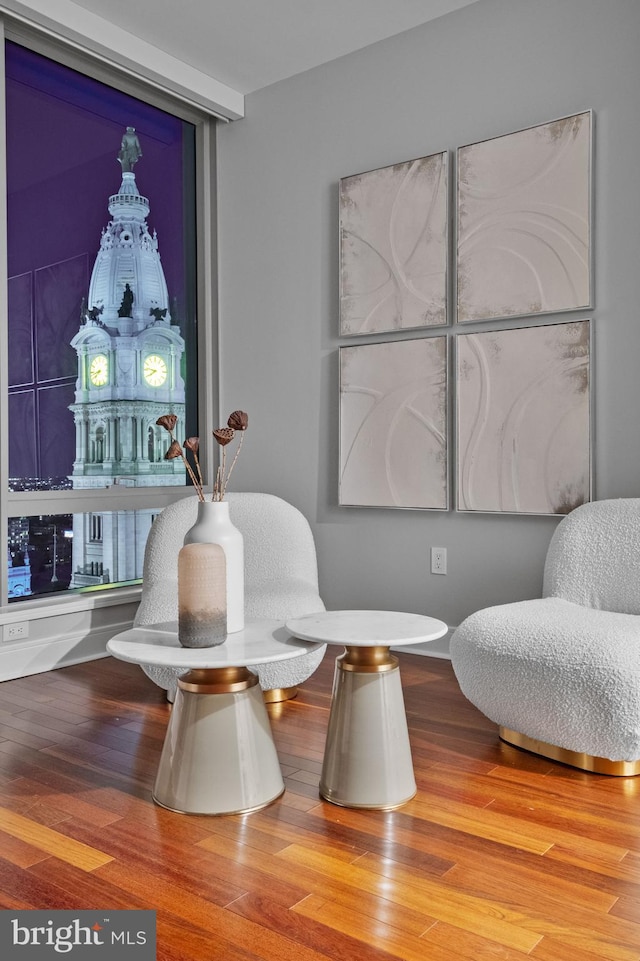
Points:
[(281, 577), (560, 675)]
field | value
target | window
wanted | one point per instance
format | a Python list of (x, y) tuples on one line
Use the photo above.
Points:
[(102, 297), (95, 520)]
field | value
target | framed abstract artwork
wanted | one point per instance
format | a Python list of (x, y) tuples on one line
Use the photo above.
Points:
[(393, 424), (524, 222), (523, 433), (393, 247)]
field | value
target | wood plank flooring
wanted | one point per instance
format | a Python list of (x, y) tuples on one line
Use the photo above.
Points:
[(501, 855)]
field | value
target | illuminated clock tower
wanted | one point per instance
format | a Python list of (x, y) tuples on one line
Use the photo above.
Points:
[(129, 374)]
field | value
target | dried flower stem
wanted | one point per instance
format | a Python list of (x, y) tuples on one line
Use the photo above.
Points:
[(219, 486), (200, 481), (233, 464), (194, 480)]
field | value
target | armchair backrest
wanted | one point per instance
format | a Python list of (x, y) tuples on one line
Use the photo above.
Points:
[(594, 557), (281, 570)]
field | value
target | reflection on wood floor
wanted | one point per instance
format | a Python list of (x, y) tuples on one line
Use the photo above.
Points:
[(501, 855)]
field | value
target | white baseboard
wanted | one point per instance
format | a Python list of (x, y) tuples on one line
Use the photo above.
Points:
[(64, 640), (439, 648)]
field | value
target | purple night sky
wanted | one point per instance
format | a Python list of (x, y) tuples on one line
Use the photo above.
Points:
[(63, 136)]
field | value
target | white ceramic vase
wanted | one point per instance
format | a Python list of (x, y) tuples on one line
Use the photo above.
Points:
[(205, 611)]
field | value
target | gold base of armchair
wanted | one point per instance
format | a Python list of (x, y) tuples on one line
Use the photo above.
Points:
[(278, 694), (586, 762)]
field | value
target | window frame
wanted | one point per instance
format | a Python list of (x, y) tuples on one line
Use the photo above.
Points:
[(30, 503)]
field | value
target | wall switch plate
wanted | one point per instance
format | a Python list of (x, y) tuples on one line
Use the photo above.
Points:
[(438, 560)]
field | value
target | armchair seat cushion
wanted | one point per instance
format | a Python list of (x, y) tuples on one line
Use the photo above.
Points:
[(560, 672)]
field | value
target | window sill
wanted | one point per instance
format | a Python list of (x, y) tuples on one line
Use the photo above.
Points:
[(69, 604)]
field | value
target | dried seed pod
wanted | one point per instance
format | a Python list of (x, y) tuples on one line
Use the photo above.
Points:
[(224, 435), (168, 421), (238, 420), (192, 444), (175, 450)]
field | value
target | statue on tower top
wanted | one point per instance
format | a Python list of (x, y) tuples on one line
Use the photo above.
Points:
[(127, 302), (130, 150)]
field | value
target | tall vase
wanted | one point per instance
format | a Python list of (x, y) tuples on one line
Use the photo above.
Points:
[(210, 578)]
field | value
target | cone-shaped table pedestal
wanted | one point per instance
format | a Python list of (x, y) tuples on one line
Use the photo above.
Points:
[(218, 755), (367, 757)]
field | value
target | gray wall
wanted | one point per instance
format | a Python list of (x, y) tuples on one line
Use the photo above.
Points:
[(493, 67)]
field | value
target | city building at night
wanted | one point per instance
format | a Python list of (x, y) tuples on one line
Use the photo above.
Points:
[(129, 374)]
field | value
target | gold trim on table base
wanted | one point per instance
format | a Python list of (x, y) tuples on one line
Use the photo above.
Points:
[(586, 762), (396, 805), (217, 680), (366, 660), (219, 814)]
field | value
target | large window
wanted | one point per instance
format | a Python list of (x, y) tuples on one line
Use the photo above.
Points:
[(102, 332)]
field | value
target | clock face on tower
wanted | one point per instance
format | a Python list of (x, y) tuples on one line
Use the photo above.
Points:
[(154, 370), (99, 370)]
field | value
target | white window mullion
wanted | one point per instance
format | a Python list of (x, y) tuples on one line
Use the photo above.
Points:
[(4, 350)]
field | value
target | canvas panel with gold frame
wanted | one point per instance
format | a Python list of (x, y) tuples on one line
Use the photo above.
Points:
[(523, 434), (524, 222), (393, 247), (393, 424)]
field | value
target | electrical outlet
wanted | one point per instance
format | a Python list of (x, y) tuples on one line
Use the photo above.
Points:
[(438, 560), (15, 631)]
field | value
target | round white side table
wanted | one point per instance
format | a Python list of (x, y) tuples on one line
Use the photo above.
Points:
[(218, 755), (367, 757)]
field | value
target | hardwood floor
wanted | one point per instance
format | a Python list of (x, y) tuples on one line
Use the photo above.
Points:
[(501, 855)]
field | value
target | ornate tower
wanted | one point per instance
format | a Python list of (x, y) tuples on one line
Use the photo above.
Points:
[(129, 374)]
